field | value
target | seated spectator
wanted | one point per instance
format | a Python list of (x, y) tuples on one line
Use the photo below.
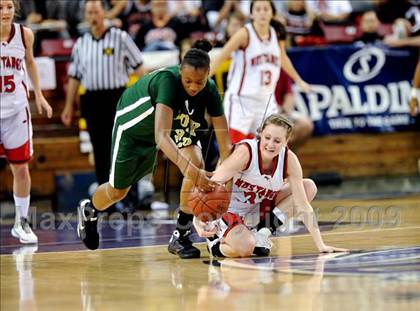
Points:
[(369, 27), (217, 11), (301, 25), (190, 14), (303, 126), (185, 8), (389, 10), (330, 11), (133, 14), (406, 31), (163, 32), (47, 20)]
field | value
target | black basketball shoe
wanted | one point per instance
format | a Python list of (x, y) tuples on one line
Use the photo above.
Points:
[(87, 224), (182, 246)]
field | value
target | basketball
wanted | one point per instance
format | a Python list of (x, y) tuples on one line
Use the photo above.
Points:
[(208, 206)]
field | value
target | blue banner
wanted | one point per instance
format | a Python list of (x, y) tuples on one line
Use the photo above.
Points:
[(356, 89)]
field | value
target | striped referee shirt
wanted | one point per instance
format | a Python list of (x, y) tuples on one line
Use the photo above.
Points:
[(104, 64)]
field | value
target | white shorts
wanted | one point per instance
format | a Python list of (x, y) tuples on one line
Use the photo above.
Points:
[(247, 113), (16, 137)]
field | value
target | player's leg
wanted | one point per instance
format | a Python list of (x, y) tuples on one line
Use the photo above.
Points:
[(303, 128), (284, 202), (180, 242), (21, 195), (131, 159), (239, 242), (239, 117), (16, 139)]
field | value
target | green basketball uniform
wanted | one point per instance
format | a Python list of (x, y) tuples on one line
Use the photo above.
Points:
[(133, 153)]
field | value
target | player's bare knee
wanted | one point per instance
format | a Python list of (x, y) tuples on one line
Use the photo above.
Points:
[(246, 247), (310, 188), (20, 171), (117, 194)]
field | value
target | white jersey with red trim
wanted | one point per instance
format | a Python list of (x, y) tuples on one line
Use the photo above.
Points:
[(255, 69), (252, 185), (13, 91)]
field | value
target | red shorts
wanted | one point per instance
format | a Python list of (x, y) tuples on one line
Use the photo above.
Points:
[(16, 137), (230, 220)]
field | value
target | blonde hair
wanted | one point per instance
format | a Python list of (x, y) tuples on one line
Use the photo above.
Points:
[(279, 120), (16, 3)]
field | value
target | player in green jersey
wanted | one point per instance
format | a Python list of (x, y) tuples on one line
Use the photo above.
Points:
[(164, 110)]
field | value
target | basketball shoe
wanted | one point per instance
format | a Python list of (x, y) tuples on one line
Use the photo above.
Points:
[(263, 243), (22, 230), (87, 224), (182, 246)]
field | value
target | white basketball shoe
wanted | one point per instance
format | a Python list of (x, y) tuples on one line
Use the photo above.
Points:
[(22, 231)]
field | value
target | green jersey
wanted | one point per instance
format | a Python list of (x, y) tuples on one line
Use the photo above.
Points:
[(164, 86), (133, 141)]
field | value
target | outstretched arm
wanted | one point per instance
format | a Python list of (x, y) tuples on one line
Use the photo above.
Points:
[(302, 205), (235, 163)]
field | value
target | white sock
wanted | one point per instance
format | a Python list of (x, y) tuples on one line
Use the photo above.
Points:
[(22, 206)]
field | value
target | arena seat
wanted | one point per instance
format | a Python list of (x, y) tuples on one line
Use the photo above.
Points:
[(57, 48)]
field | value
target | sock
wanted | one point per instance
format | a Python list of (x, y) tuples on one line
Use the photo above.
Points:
[(22, 206), (215, 249), (184, 222), (273, 221)]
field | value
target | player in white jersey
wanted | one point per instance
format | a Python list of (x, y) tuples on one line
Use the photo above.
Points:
[(259, 168), (16, 129), (257, 55)]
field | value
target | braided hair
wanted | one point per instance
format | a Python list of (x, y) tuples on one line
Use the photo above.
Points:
[(198, 56)]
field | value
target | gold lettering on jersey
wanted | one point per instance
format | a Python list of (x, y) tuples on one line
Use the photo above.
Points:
[(11, 62), (265, 58), (189, 126)]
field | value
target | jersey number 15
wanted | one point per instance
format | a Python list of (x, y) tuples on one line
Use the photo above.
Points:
[(7, 84)]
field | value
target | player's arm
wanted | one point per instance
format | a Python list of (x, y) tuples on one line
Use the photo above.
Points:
[(287, 65), (222, 136), (163, 126), (40, 101), (237, 41), (302, 205), (234, 164), (415, 92), (409, 41)]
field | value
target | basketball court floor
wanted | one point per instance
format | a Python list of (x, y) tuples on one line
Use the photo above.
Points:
[(132, 270)]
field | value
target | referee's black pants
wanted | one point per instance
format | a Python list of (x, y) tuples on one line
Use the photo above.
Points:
[(98, 108)]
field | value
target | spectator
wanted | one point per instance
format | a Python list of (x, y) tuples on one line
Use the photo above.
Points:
[(302, 26), (406, 31), (133, 14), (218, 11), (330, 11), (389, 10), (369, 27), (48, 21), (163, 32)]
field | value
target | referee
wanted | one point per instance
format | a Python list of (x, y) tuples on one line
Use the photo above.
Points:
[(101, 60)]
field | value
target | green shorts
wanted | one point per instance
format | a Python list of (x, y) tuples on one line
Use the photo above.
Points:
[(133, 153)]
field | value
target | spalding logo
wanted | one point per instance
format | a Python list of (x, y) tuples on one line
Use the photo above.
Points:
[(364, 64)]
